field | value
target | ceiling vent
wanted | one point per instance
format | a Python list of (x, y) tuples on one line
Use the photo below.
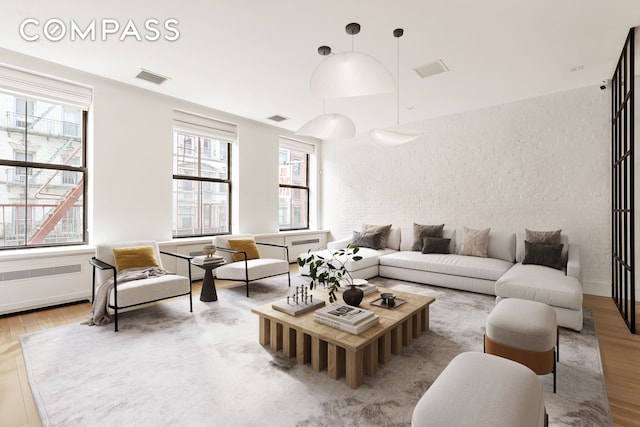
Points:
[(278, 118), (431, 69), (151, 77)]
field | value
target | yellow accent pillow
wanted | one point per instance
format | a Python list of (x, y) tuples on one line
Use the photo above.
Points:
[(247, 245), (135, 257)]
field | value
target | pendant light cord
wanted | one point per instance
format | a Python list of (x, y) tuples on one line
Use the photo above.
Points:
[(398, 84)]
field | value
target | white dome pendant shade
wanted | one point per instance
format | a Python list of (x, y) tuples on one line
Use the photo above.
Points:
[(393, 137), (348, 74), (329, 126)]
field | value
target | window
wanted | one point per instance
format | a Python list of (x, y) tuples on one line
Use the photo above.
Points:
[(294, 184), (42, 201), (201, 175)]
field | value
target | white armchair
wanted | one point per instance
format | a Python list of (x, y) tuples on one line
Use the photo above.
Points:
[(132, 293), (245, 267)]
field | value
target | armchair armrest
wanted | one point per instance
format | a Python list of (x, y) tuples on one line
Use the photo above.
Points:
[(573, 262), (285, 247), (173, 254), (232, 251), (95, 262), (188, 258)]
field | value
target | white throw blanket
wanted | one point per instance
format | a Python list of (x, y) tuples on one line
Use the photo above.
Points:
[(99, 314)]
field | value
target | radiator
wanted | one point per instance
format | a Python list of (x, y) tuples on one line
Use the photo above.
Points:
[(301, 244), (41, 282), (197, 273)]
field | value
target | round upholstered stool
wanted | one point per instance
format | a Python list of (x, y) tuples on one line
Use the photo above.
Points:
[(526, 332), (482, 390)]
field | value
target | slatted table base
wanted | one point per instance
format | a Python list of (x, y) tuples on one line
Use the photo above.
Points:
[(342, 361)]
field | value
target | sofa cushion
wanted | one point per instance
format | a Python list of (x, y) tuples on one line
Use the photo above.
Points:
[(475, 242), (384, 231), (222, 241), (135, 257), (521, 237), (542, 284), (457, 265), (420, 231), (369, 239), (247, 246), (545, 237), (543, 254), (435, 245), (257, 268)]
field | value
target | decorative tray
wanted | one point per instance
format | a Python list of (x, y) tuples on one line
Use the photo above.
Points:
[(380, 303)]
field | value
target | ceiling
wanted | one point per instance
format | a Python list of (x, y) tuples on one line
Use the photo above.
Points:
[(254, 58)]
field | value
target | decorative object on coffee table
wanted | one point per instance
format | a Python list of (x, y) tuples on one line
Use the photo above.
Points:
[(353, 296), (330, 271), (298, 303)]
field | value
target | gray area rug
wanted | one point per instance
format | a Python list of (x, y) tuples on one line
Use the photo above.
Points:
[(169, 367)]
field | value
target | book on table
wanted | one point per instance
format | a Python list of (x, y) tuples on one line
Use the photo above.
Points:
[(202, 259), (352, 329), (367, 288), (344, 314)]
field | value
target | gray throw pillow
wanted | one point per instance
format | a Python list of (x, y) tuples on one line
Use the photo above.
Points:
[(543, 254), (384, 231), (544, 237), (367, 240), (435, 245), (475, 242), (421, 231)]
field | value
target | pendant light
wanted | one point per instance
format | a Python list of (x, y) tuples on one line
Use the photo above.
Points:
[(348, 74), (393, 137), (328, 126)]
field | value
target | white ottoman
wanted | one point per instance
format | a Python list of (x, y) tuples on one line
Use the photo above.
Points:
[(479, 390), (526, 332)]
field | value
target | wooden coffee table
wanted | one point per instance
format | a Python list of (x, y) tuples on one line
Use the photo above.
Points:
[(342, 353)]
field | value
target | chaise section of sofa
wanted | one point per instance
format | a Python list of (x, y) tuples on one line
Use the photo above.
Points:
[(560, 289), (368, 266)]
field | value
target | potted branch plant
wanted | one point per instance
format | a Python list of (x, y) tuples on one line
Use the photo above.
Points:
[(331, 271)]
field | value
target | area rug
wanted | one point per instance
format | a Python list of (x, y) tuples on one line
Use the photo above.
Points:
[(169, 367)]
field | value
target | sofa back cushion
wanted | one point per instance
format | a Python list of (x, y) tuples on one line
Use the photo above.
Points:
[(406, 243), (520, 252), (222, 241), (502, 244), (393, 241)]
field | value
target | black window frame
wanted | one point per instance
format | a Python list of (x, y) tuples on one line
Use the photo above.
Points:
[(307, 188), (28, 166), (199, 179)]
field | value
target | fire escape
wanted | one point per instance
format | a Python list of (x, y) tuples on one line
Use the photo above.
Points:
[(56, 214)]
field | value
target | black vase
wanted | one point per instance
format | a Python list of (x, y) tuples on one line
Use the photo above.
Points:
[(353, 296)]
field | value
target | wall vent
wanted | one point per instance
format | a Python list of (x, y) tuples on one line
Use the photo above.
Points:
[(431, 69), (40, 272), (151, 76), (278, 118)]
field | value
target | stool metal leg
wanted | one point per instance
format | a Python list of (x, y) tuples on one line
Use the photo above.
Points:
[(555, 368), (558, 344)]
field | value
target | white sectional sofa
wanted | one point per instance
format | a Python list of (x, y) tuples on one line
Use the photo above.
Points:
[(501, 273)]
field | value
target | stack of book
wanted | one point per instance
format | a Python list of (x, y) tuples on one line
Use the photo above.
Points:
[(203, 259), (346, 318), (361, 284)]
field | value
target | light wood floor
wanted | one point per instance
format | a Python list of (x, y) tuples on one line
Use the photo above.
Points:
[(620, 352)]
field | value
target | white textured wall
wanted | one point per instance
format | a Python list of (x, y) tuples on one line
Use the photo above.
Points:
[(541, 163)]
